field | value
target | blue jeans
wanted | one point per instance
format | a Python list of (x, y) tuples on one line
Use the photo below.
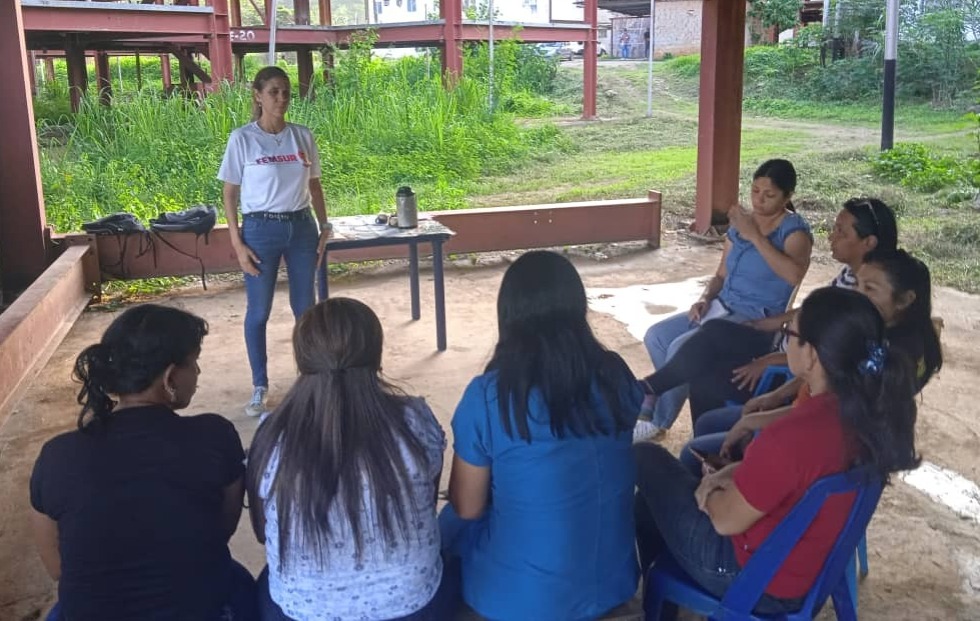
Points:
[(275, 240), (668, 519), (709, 434), (241, 604), (662, 341), (443, 604)]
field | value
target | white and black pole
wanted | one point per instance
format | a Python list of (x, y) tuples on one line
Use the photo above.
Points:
[(650, 43), (888, 94)]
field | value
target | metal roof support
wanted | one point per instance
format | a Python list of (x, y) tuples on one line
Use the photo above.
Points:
[(23, 228), (719, 111)]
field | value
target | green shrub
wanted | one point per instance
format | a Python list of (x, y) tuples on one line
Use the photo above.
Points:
[(917, 167)]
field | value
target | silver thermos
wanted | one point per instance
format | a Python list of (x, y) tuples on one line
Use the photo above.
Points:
[(406, 209)]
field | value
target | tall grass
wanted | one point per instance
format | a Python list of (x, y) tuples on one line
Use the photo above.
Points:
[(379, 125)]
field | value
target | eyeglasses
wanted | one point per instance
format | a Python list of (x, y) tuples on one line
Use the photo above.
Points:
[(787, 332)]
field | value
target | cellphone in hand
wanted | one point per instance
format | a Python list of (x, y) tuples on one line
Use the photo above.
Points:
[(712, 460)]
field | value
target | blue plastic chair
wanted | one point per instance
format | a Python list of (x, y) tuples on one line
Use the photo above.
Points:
[(666, 581)]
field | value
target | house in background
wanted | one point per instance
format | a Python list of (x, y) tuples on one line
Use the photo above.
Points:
[(677, 27)]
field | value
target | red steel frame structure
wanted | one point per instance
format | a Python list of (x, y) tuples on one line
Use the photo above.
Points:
[(80, 27)]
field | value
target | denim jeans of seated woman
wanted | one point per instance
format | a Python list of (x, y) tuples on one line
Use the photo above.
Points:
[(295, 241), (668, 520), (241, 604), (662, 342), (442, 607)]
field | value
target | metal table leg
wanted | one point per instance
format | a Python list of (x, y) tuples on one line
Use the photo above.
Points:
[(321, 274), (413, 271), (440, 295)]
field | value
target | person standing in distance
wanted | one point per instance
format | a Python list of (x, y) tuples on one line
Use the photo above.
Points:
[(272, 169)]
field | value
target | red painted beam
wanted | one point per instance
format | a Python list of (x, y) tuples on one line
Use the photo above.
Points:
[(528, 34), (477, 230), (719, 111), (33, 326), (590, 60), (86, 17), (23, 227), (451, 12)]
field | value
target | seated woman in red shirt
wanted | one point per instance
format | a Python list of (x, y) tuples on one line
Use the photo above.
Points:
[(862, 411)]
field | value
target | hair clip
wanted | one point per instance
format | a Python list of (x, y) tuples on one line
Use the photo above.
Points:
[(874, 364)]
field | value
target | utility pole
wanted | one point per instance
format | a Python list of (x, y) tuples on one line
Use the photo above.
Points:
[(652, 25), (891, 56)]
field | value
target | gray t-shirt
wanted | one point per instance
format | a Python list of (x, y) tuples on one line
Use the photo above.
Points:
[(386, 582)]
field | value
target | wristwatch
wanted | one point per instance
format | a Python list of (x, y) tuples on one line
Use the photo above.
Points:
[(326, 227)]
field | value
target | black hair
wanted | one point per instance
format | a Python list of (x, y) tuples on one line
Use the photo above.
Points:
[(340, 434), (545, 344), (914, 331), (782, 174), (134, 352), (874, 387), (873, 217)]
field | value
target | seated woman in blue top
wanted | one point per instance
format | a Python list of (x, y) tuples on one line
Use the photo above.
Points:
[(342, 482), (766, 255), (133, 511), (542, 478)]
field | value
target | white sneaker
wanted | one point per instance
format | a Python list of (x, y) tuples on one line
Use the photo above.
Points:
[(256, 407), (646, 431)]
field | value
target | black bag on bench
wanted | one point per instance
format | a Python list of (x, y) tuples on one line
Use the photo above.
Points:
[(199, 219)]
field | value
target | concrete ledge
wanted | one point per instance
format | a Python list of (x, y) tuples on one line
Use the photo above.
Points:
[(477, 230), (35, 324)]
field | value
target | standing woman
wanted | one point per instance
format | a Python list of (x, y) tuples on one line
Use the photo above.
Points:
[(272, 168)]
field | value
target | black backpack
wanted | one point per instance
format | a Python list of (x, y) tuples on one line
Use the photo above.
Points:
[(199, 219), (123, 226)]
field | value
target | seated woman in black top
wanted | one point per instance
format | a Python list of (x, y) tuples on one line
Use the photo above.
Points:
[(134, 510)]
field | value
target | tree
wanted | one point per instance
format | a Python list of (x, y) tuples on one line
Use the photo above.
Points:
[(779, 14)]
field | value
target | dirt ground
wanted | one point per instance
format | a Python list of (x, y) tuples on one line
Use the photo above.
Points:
[(925, 560)]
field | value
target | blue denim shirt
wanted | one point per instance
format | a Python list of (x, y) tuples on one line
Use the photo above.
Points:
[(751, 287)]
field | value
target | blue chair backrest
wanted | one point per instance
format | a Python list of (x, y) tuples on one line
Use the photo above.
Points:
[(767, 383), (751, 582)]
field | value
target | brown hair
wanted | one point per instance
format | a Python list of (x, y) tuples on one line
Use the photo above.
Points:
[(264, 75), (341, 424)]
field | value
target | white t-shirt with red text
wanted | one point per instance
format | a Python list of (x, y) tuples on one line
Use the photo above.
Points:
[(273, 170)]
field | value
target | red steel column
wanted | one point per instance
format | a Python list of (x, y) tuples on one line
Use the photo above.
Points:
[(326, 15), (304, 61), (103, 77), (720, 110), (23, 226), (49, 69), (77, 72), (590, 60), (167, 73), (451, 11), (219, 47), (33, 66)]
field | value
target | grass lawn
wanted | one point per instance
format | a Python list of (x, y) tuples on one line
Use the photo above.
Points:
[(627, 153)]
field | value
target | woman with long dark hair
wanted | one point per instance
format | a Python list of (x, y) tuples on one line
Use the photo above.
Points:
[(861, 411), (272, 169), (542, 481), (723, 361), (134, 510), (342, 481), (900, 287), (766, 256)]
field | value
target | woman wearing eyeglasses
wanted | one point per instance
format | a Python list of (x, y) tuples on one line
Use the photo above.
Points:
[(861, 412), (899, 285), (724, 360)]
